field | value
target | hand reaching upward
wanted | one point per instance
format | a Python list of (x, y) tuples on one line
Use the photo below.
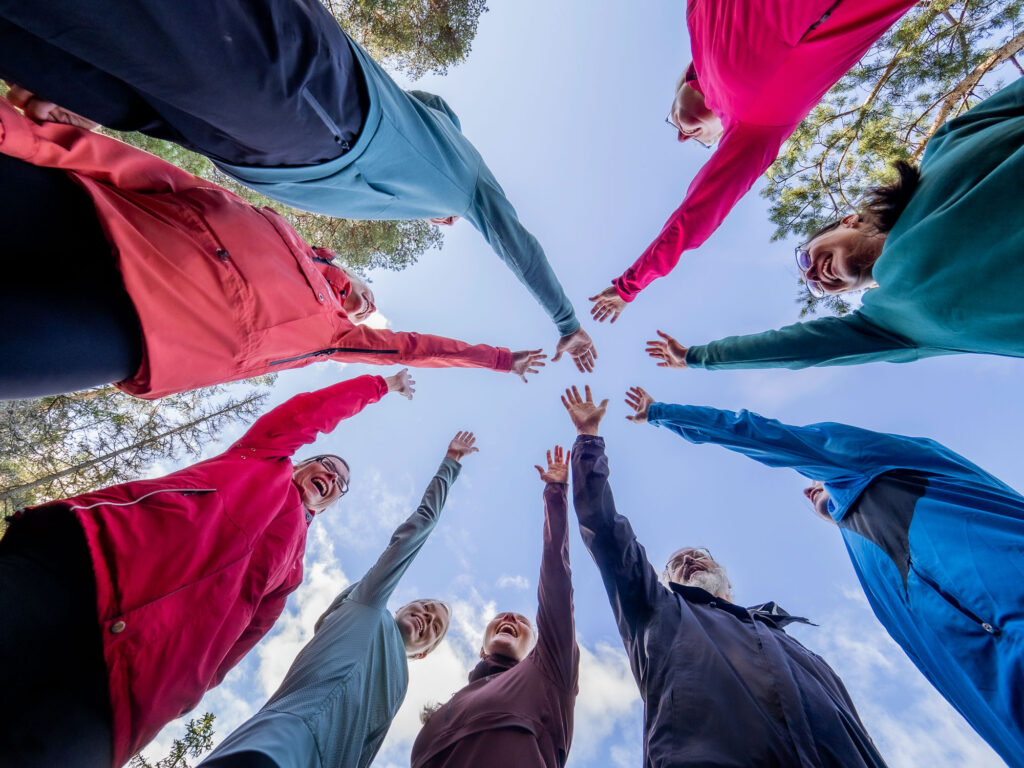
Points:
[(463, 444), (580, 348), (558, 470), (527, 361), (638, 399), (668, 350), (402, 383), (585, 415), (608, 305)]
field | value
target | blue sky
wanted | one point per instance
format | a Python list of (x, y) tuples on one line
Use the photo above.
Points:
[(566, 102)]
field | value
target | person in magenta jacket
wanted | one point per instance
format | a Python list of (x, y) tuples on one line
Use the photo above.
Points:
[(517, 709), (162, 282), (759, 66), (123, 606)]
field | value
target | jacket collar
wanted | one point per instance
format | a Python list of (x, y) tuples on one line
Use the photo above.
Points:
[(770, 613), (491, 664), (323, 258)]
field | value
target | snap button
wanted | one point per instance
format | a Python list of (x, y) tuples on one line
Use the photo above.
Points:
[(117, 627), (712, 603), (988, 627), (223, 255), (320, 296)]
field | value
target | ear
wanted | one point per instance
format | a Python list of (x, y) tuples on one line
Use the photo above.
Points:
[(850, 220), (481, 651)]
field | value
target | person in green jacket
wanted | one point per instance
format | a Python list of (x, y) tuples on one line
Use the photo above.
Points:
[(337, 701), (944, 249)]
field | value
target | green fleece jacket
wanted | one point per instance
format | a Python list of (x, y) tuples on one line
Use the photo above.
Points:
[(951, 274)]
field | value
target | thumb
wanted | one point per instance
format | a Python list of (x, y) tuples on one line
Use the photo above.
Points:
[(539, 470), (604, 404), (557, 356)]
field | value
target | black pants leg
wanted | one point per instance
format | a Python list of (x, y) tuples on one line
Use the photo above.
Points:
[(56, 705), (250, 82), (66, 321)]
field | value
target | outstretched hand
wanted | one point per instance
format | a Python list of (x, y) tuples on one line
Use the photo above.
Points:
[(638, 399), (527, 361), (608, 305), (585, 415), (558, 470), (463, 444), (45, 111), (671, 353), (402, 383), (579, 347)]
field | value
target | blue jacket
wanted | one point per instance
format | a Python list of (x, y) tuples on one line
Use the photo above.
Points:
[(938, 545), (722, 685), (411, 161), (343, 689)]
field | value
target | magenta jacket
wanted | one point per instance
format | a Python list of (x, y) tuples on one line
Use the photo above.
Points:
[(518, 713), (762, 65), (192, 569)]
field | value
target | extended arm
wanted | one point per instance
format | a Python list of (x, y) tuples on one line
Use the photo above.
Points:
[(556, 651), (299, 420), (382, 347), (493, 215), (848, 340), (743, 154)]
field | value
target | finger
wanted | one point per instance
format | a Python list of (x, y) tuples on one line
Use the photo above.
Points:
[(593, 351), (474, 450), (567, 455), (590, 396), (539, 471), (557, 357), (549, 457), (595, 297), (576, 395), (665, 336), (565, 402), (579, 365), (615, 316), (558, 454), (603, 405), (663, 365), (523, 377)]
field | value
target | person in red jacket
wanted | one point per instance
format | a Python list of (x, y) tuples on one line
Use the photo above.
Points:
[(517, 709), (121, 607), (124, 268), (759, 66)]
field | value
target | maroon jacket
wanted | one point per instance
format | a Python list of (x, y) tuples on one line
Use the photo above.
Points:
[(518, 713)]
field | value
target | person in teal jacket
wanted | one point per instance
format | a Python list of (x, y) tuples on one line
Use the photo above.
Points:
[(947, 257), (343, 689), (282, 100), (936, 542)]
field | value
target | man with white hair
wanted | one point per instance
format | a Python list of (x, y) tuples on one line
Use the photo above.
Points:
[(721, 684)]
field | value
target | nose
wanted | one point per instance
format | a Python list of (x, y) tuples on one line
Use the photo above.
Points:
[(809, 492)]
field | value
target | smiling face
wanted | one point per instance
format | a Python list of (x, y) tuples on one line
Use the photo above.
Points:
[(843, 258), (691, 117), (422, 623), (321, 481), (694, 567), (509, 634), (358, 302), (819, 497)]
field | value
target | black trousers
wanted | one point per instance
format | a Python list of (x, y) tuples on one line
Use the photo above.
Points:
[(56, 705), (66, 321), (250, 82)]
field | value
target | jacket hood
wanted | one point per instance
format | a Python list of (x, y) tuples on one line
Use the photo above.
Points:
[(491, 664)]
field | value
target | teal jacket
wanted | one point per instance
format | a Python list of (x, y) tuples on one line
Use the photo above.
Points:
[(951, 274), (343, 689), (411, 161)]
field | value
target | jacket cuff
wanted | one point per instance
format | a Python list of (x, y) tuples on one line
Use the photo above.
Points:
[(655, 413), (451, 465), (696, 357), (568, 326), (504, 361), (595, 440), (620, 288), (382, 385)]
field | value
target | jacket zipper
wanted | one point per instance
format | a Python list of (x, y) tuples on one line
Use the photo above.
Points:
[(332, 351), (145, 496), (991, 629)]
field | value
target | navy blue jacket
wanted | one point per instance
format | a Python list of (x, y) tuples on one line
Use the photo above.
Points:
[(722, 685), (938, 545)]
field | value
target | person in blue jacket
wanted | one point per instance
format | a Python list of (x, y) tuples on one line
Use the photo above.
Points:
[(341, 693), (282, 100), (937, 543)]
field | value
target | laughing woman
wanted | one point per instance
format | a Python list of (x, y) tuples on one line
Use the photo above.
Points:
[(942, 247)]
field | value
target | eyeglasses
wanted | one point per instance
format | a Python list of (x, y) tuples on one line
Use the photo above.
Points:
[(697, 553), (803, 263), (674, 127), (328, 463)]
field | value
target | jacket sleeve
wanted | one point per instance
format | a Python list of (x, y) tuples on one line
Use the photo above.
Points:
[(267, 613), (382, 347), (299, 420), (744, 153), (556, 653), (848, 340), (91, 154), (376, 586), (493, 215), (629, 579)]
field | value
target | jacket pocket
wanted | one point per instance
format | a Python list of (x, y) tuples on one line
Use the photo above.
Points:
[(955, 603), (822, 20), (325, 118)]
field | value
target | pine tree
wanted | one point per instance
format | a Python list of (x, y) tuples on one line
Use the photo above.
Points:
[(198, 739)]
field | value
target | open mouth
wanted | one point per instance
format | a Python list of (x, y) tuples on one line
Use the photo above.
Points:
[(691, 569), (419, 624), (507, 628), (320, 486)]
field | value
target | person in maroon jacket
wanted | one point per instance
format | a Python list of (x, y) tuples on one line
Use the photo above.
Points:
[(121, 607), (517, 710)]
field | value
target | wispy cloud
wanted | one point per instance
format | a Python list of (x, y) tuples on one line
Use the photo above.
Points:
[(515, 582)]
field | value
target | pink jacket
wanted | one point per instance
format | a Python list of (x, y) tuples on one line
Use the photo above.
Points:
[(192, 569), (762, 65)]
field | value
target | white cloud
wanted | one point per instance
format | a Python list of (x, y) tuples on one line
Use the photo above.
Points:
[(516, 582), (377, 320)]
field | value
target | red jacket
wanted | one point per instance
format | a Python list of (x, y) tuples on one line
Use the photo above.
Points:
[(192, 569), (762, 66), (223, 290)]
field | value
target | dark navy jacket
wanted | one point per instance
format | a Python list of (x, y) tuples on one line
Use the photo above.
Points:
[(722, 685), (938, 545)]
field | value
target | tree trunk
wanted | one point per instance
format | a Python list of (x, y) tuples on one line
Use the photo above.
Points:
[(7, 493)]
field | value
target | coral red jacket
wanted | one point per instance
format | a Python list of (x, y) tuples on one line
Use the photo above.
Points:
[(223, 290), (192, 569), (762, 65)]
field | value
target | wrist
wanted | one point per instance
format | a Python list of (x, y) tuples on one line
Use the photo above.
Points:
[(592, 431), (454, 456)]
